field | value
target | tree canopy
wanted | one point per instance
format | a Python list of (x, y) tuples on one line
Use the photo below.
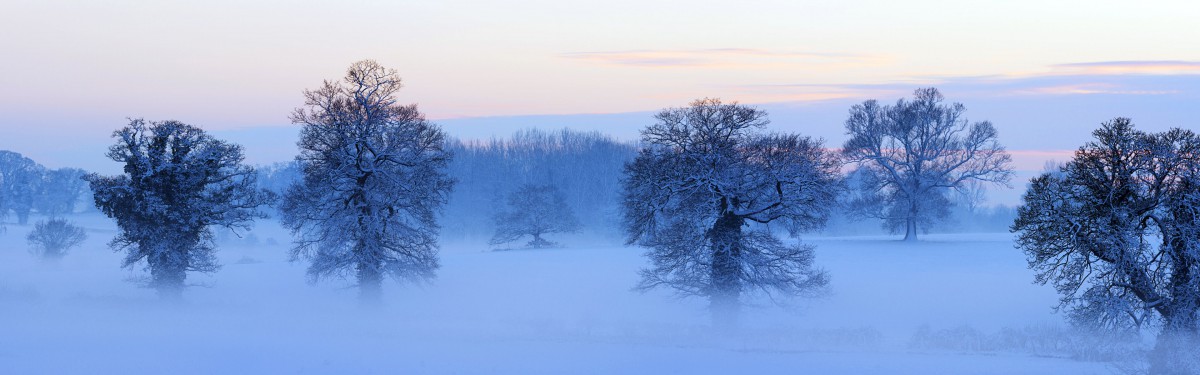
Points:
[(1117, 232), (178, 182), (374, 180), (705, 175)]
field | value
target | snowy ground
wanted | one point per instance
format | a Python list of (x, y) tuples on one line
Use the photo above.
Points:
[(520, 312)]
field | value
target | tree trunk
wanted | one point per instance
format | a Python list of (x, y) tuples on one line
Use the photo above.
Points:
[(725, 290), (169, 292), (910, 229), (166, 277), (1175, 349), (367, 267), (370, 283), (22, 216), (538, 242), (1175, 352)]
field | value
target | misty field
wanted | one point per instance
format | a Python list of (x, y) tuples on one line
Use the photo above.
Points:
[(954, 304)]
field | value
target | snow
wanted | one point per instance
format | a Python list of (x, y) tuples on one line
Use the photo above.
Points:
[(553, 311)]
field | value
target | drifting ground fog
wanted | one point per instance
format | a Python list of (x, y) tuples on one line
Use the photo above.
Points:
[(952, 304)]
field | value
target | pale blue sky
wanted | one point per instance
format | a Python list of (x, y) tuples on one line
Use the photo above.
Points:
[(237, 63), (1046, 72)]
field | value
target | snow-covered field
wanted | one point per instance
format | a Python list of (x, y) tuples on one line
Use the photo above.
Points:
[(527, 312)]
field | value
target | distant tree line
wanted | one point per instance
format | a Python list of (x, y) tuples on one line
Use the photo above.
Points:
[(27, 187), (585, 167)]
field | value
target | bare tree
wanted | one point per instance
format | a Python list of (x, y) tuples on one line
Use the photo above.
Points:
[(178, 183), (705, 176), (51, 239), (534, 210), (911, 154), (971, 196), (374, 180), (1117, 232)]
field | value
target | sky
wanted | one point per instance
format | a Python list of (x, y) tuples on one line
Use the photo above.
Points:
[(1044, 72)]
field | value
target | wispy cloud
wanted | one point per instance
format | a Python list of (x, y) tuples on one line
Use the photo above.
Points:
[(1125, 78), (1090, 89), (818, 92), (716, 57), (1127, 67), (1037, 160)]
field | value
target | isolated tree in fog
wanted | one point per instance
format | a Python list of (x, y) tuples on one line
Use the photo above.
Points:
[(534, 210), (178, 182), (374, 180), (701, 191), (1117, 231), (50, 239), (59, 190), (911, 154), (20, 179)]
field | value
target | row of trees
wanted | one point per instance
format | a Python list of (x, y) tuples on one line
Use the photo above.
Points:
[(373, 179), (709, 186), (372, 182), (1115, 230), (26, 187)]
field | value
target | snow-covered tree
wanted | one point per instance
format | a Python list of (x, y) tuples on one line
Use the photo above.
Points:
[(178, 182), (20, 178), (912, 154), (702, 192), (534, 210), (374, 180), (59, 190), (50, 239), (1117, 231)]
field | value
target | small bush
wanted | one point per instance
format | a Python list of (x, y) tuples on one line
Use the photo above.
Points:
[(51, 239)]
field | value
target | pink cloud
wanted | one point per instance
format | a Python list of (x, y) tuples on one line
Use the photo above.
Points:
[(1090, 88), (1127, 67), (716, 57), (1035, 160)]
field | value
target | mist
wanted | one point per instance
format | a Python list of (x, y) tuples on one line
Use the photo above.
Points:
[(959, 301), (641, 187), (891, 309)]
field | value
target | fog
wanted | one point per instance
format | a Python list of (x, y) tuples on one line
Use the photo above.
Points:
[(945, 305), (959, 301)]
